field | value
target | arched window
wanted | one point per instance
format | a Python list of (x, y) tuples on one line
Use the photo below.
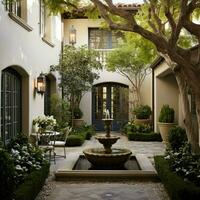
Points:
[(11, 108)]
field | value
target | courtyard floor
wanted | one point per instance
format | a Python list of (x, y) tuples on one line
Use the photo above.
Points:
[(109, 190)]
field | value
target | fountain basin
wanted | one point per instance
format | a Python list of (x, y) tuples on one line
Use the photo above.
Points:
[(107, 141), (99, 157)]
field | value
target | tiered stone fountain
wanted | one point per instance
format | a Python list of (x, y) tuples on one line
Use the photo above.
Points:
[(107, 157)]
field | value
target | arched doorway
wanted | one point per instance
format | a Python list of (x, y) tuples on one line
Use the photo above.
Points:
[(11, 104), (115, 98), (50, 90)]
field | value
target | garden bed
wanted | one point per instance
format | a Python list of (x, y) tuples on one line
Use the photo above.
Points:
[(177, 188), (32, 185), (135, 136)]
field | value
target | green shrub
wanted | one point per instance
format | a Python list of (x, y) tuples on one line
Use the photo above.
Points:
[(75, 140), (88, 130), (144, 136), (20, 140), (177, 137), (26, 158), (7, 175), (60, 110), (185, 164), (137, 128), (142, 112), (78, 114), (32, 184), (89, 134), (177, 188), (166, 114)]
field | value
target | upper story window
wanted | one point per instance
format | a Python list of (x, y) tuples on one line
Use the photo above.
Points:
[(103, 39), (46, 28), (19, 8)]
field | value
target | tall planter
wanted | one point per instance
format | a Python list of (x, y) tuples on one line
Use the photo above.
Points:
[(142, 121), (142, 114), (164, 130), (78, 123), (166, 122)]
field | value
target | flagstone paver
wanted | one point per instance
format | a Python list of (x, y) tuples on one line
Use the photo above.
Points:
[(121, 190), (106, 191)]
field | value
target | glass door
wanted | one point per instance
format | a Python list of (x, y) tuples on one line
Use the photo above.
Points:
[(112, 97)]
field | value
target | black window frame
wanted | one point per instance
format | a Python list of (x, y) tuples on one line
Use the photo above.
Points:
[(108, 44), (12, 106), (14, 7)]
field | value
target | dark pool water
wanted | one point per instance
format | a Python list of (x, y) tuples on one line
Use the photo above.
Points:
[(83, 164)]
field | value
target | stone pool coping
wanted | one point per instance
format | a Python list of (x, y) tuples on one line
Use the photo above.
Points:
[(147, 171)]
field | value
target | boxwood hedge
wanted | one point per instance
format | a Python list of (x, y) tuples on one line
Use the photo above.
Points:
[(136, 136), (177, 188), (75, 140), (32, 185)]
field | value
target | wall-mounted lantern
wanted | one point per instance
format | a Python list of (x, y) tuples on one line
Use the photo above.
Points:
[(72, 35), (41, 84)]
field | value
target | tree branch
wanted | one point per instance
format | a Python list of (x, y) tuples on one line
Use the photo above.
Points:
[(187, 23)]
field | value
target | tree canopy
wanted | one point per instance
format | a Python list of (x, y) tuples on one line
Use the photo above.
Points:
[(77, 68), (164, 23), (132, 59)]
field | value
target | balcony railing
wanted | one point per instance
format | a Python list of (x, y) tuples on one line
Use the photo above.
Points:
[(102, 55)]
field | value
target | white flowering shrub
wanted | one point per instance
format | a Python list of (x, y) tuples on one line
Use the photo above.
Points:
[(26, 157), (184, 163), (45, 121)]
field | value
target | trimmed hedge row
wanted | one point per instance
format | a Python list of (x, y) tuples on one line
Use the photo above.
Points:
[(144, 136), (177, 188), (75, 140), (32, 184), (79, 135)]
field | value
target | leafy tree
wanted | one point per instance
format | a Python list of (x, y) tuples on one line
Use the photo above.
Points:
[(132, 60), (77, 68), (164, 22), (60, 110)]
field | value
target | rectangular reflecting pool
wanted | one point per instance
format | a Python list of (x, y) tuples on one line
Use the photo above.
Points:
[(83, 164), (79, 168)]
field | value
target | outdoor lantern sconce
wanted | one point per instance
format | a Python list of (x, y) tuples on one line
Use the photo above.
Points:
[(40, 85), (72, 35)]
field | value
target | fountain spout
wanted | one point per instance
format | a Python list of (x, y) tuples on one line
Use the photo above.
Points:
[(107, 114), (107, 121)]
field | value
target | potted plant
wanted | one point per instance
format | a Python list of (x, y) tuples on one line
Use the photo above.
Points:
[(77, 119), (142, 113), (166, 121)]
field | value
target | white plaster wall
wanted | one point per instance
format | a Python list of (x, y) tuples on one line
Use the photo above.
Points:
[(146, 91), (166, 92), (82, 26), (26, 49)]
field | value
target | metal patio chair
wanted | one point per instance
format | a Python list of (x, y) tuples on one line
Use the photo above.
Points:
[(60, 140)]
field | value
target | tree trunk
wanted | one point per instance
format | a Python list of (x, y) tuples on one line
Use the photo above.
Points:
[(197, 101), (136, 97), (192, 132)]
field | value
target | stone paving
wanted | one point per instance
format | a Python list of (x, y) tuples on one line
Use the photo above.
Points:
[(121, 190), (108, 191), (148, 148)]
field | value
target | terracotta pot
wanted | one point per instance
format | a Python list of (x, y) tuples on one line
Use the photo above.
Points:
[(78, 123), (142, 121), (164, 130)]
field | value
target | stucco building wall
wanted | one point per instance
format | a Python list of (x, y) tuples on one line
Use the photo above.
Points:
[(82, 37), (30, 53)]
